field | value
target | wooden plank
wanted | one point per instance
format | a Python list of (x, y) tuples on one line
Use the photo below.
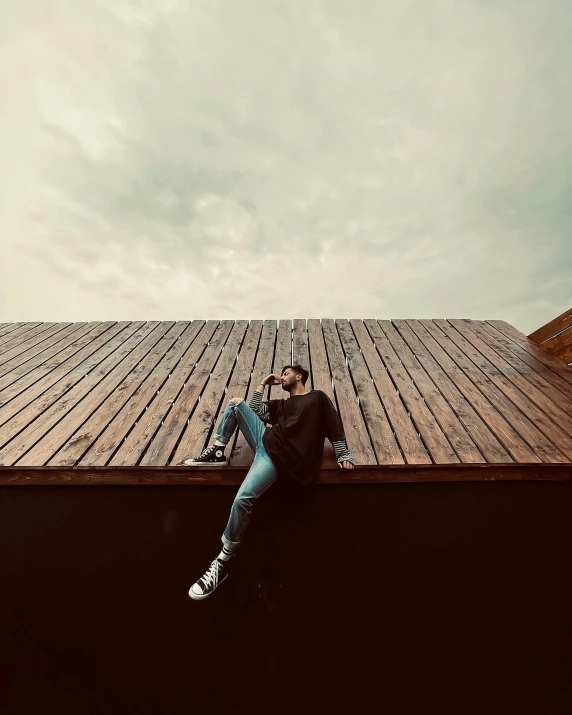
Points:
[(37, 341), (558, 342), (565, 355), (138, 440), (457, 389), (436, 443), (477, 389), (322, 380), (129, 415), (16, 371), (189, 476), (42, 350), (165, 441), (20, 335), (559, 323), (529, 360), (239, 386), (7, 328), (410, 445), (26, 425), (130, 387), (26, 391), (54, 369), (242, 455), (456, 439), (560, 395), (300, 348), (507, 399), (468, 434), (17, 345), (357, 437), (282, 357), (549, 418), (532, 349), (37, 444), (17, 330), (352, 336), (200, 423)]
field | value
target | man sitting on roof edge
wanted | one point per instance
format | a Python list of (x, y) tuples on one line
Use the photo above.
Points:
[(291, 449)]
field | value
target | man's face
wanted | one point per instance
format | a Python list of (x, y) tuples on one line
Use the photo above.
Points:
[(288, 379)]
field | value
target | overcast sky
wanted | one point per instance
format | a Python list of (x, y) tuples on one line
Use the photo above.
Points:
[(269, 159)]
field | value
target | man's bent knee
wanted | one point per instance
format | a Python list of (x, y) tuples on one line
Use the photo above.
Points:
[(236, 400)]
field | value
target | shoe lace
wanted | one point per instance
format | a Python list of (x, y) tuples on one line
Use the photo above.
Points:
[(212, 574), (208, 450)]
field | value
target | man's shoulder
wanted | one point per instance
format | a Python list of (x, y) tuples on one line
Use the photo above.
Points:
[(316, 393)]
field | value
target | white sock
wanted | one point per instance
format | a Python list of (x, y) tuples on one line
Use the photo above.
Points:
[(219, 443), (225, 554)]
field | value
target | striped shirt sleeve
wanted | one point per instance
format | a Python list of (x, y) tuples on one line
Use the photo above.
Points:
[(259, 407), (342, 452), (335, 433)]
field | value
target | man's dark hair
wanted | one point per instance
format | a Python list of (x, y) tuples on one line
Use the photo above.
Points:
[(299, 370)]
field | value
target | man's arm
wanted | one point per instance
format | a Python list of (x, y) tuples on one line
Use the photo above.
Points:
[(259, 407), (335, 432)]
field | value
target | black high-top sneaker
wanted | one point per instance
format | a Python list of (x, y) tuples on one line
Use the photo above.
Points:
[(212, 456), (216, 574)]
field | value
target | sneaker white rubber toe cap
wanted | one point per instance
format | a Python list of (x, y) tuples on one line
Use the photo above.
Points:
[(196, 592)]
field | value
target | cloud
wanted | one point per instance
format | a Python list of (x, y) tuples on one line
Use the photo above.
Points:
[(175, 161)]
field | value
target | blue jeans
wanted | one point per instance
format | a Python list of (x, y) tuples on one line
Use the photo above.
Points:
[(261, 475)]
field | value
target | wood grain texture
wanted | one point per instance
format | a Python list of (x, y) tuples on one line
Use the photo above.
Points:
[(129, 401), (149, 476), (556, 337), (552, 328)]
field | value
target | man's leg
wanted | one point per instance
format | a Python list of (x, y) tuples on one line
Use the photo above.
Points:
[(261, 475), (249, 423)]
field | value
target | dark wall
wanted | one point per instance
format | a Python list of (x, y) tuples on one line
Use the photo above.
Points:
[(398, 598)]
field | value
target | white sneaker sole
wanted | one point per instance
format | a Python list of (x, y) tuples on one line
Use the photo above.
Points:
[(199, 597), (192, 463)]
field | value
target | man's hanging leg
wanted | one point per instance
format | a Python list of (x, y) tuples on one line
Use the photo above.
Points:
[(260, 477)]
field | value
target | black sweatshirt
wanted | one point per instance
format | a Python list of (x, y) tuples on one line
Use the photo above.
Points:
[(295, 441)]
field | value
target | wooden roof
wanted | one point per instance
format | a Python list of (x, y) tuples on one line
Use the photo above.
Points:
[(119, 402), (556, 337)]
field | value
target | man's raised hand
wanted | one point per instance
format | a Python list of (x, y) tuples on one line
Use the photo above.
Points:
[(272, 379)]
